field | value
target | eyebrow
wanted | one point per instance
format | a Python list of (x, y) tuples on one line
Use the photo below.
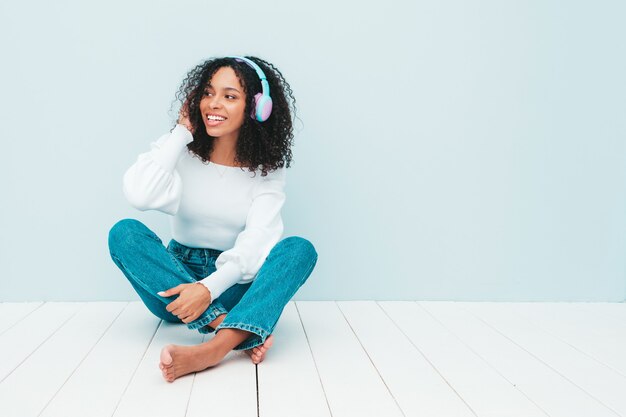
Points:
[(225, 88)]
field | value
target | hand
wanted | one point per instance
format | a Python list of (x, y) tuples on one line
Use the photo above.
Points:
[(183, 117), (193, 300)]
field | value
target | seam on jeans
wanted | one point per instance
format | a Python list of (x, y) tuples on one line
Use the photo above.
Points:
[(152, 235), (308, 272), (140, 283), (243, 326), (177, 262), (256, 341), (201, 322), (261, 333)]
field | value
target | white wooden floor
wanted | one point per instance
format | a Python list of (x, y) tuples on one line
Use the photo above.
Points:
[(347, 358)]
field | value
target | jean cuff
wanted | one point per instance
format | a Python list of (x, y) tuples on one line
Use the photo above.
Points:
[(202, 322), (258, 338)]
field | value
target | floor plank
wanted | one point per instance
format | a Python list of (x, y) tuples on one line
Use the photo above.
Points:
[(415, 384), (352, 384), (483, 389), (226, 390), (289, 384), (97, 385), (20, 341), (615, 310), (509, 346), (27, 390), (11, 313), (599, 339), (148, 394), (347, 358)]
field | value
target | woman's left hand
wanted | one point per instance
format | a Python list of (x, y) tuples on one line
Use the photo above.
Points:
[(193, 300)]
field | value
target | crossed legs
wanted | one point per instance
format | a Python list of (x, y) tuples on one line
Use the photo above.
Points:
[(176, 360)]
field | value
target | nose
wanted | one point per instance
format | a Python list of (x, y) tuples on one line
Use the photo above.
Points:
[(215, 102)]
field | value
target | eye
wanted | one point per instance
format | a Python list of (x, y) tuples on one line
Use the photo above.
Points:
[(233, 97)]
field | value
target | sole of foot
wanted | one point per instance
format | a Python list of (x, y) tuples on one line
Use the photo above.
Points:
[(177, 361), (257, 353)]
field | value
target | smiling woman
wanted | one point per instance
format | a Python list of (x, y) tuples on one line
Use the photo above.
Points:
[(223, 109), (227, 228), (229, 87)]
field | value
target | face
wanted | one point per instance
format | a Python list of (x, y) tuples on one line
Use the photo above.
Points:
[(223, 104)]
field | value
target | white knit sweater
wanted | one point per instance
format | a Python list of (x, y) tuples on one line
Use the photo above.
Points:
[(212, 206)]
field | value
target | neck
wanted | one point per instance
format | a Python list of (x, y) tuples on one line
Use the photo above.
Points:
[(224, 151)]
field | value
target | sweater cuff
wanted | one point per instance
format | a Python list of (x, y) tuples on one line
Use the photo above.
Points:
[(167, 156), (222, 279)]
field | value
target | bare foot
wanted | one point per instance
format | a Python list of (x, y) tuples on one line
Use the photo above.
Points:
[(257, 353), (177, 360)]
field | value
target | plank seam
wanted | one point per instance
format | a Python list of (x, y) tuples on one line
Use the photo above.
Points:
[(38, 346), (136, 368), (313, 356), (256, 374), (81, 361), (20, 320), (550, 333), (481, 358), (427, 360), (370, 358), (544, 363), (608, 315), (193, 380)]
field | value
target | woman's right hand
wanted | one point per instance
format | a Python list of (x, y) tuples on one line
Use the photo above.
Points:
[(183, 117)]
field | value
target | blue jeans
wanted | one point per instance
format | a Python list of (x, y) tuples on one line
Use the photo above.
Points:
[(255, 307)]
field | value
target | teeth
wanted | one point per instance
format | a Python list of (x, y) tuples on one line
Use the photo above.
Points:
[(218, 118)]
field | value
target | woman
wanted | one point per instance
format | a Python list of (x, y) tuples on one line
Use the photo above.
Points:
[(220, 174)]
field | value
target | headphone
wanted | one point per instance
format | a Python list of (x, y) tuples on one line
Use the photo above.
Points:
[(263, 101)]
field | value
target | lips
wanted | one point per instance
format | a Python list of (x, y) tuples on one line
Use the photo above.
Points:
[(214, 119)]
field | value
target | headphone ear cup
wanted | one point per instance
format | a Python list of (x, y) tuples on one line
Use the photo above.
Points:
[(263, 107)]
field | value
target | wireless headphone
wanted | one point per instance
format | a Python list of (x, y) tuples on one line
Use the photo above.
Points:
[(263, 101)]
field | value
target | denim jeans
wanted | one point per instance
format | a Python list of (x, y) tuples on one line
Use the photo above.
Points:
[(255, 307)]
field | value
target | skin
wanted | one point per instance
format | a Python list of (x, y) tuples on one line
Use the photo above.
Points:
[(223, 96)]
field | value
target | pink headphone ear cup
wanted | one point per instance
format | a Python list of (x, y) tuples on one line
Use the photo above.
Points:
[(263, 107)]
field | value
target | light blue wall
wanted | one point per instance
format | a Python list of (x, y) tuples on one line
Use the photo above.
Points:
[(447, 150)]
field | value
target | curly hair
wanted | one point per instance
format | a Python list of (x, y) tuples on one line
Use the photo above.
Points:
[(264, 146)]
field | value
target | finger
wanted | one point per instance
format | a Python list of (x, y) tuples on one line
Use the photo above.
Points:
[(174, 290), (189, 318), (173, 308)]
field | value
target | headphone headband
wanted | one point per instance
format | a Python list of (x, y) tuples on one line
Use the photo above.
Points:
[(263, 107)]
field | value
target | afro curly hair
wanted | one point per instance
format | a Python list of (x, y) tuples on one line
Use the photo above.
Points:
[(264, 146)]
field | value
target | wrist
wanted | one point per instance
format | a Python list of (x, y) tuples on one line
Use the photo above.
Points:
[(208, 291)]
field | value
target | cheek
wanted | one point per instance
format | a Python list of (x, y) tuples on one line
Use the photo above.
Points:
[(239, 111)]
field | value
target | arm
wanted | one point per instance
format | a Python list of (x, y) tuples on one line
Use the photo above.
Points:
[(264, 229), (152, 182)]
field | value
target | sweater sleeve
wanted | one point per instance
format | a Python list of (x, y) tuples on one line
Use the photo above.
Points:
[(152, 182), (263, 230)]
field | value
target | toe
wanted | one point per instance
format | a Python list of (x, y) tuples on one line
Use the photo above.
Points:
[(166, 355)]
